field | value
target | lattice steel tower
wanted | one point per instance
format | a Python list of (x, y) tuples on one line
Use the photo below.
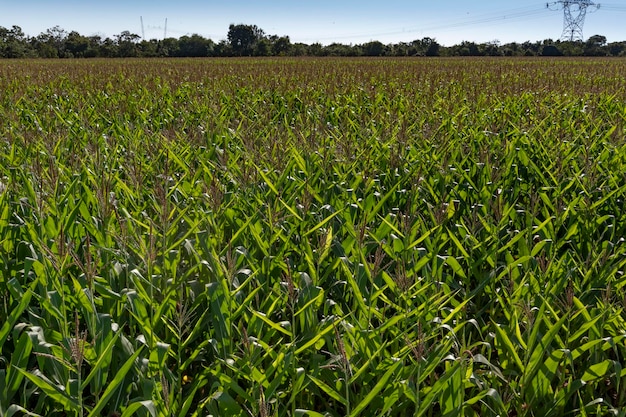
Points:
[(574, 12)]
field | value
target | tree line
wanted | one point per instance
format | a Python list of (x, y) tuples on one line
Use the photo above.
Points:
[(250, 40)]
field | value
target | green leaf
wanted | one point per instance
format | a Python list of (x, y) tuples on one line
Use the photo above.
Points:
[(322, 223), (307, 413), (542, 348), (457, 242), (57, 394), (158, 354), (276, 326), (366, 365), (597, 371), (14, 409), (437, 389), (104, 358), (115, 383), (376, 389), (507, 347), (19, 360), (374, 212), (453, 395), (332, 393), (456, 266), (189, 398), (269, 183), (14, 315), (297, 385), (319, 334), (489, 393), (136, 406)]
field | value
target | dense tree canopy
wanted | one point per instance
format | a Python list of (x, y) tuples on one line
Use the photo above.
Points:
[(250, 40), (245, 40)]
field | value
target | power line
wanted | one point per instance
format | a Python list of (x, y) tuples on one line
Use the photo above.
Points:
[(572, 29), (613, 8), (510, 15), (502, 19)]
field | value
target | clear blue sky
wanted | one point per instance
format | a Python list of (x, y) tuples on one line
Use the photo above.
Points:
[(324, 21)]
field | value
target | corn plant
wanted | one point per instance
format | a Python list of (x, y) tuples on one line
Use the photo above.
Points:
[(312, 237)]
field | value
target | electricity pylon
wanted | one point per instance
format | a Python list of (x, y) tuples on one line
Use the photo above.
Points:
[(574, 12)]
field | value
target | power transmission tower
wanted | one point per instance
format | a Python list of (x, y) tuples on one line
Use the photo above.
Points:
[(574, 12)]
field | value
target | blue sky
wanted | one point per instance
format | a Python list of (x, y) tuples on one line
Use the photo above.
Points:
[(324, 21)]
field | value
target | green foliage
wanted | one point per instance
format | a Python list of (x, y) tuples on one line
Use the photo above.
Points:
[(250, 40), (312, 238)]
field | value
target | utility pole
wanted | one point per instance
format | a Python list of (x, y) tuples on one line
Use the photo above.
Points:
[(574, 12)]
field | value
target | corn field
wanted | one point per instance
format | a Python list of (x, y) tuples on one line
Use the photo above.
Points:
[(313, 237)]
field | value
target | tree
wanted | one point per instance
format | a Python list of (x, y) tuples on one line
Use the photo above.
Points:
[(432, 48), (55, 38), (76, 44), (222, 48), (551, 50), (425, 47), (596, 40), (194, 46), (491, 48), (595, 46), (150, 48), (617, 48), (569, 48), (511, 49), (108, 48), (262, 47), (316, 49), (467, 48), (13, 43), (298, 49), (243, 38), (280, 46), (95, 46), (340, 49), (531, 48), (127, 44), (169, 47), (402, 49), (374, 48)]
